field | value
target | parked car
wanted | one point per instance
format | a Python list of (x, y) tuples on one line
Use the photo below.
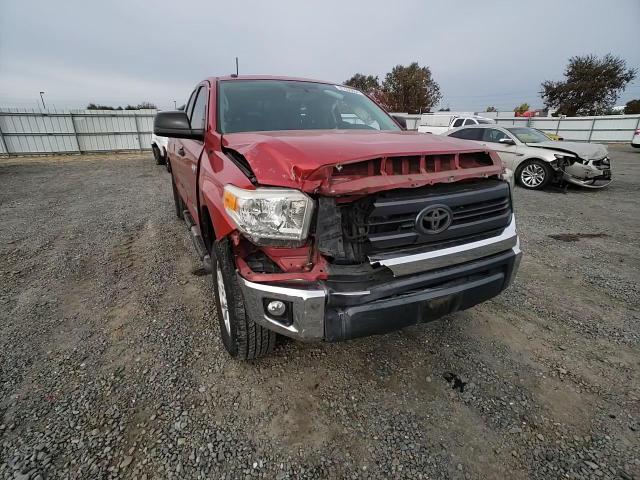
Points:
[(538, 161), (635, 140), (159, 148), (438, 124), (321, 227)]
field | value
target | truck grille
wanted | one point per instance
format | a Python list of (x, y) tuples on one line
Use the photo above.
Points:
[(387, 221)]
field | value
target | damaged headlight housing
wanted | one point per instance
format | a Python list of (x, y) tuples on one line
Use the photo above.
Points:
[(563, 160), (270, 216)]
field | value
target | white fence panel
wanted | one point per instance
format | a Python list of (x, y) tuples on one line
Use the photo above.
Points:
[(41, 132)]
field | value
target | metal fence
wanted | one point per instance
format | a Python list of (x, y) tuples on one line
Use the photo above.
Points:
[(605, 128), (24, 131), (609, 128)]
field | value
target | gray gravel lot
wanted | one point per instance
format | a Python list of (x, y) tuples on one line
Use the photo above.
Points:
[(111, 365)]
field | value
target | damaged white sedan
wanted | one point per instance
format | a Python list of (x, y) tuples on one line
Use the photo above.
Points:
[(537, 161)]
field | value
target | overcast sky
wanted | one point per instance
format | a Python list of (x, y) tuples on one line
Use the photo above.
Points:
[(480, 52)]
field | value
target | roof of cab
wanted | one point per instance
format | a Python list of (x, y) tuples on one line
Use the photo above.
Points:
[(266, 77)]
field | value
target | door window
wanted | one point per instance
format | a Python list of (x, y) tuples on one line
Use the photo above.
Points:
[(469, 121), (458, 122), (468, 134), (493, 135), (198, 117)]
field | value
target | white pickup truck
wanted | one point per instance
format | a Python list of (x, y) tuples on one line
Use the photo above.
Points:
[(437, 124)]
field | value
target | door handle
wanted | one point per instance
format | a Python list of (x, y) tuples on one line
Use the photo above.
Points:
[(181, 151)]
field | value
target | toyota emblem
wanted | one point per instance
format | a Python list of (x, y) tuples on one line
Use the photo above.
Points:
[(434, 219)]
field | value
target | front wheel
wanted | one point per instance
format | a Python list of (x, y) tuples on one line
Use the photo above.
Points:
[(241, 336), (534, 174)]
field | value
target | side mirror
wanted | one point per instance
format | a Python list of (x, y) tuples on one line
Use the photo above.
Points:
[(401, 121), (175, 124), (506, 141)]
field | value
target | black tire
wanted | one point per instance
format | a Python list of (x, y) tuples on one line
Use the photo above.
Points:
[(156, 154), (177, 200), (243, 339), (534, 174)]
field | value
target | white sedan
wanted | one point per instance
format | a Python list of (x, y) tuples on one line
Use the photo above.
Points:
[(536, 161), (635, 141)]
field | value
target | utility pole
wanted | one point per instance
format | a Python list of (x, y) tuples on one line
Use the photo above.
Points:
[(236, 66), (42, 98)]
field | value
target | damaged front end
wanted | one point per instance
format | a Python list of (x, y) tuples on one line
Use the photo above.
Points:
[(373, 260), (593, 174), (569, 168)]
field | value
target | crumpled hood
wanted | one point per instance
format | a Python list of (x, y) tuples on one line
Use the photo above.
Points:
[(288, 158), (586, 151)]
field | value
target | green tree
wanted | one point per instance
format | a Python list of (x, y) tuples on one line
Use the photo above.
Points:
[(632, 106), (524, 107), (364, 83), (141, 106), (591, 85), (491, 109), (411, 89), (96, 106)]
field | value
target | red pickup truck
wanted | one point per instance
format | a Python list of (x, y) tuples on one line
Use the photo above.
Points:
[(322, 220)]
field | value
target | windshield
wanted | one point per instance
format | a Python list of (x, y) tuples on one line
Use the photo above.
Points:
[(528, 135), (271, 105)]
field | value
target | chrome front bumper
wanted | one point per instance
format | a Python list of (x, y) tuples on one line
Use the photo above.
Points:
[(319, 312)]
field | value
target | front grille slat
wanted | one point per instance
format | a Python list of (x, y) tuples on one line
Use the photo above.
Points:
[(479, 213), (503, 202)]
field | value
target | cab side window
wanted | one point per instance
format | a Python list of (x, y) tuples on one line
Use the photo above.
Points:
[(198, 117), (493, 135), (458, 122), (468, 134), (469, 121)]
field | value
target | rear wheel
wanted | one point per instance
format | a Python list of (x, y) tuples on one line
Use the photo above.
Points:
[(241, 336), (534, 174)]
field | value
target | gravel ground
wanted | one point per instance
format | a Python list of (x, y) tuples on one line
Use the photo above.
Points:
[(112, 367)]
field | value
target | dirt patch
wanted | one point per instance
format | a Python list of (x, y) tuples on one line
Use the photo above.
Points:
[(574, 237)]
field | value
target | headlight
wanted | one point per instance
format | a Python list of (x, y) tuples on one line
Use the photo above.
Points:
[(270, 216)]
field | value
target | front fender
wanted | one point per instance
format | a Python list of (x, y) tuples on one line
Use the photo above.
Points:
[(216, 171)]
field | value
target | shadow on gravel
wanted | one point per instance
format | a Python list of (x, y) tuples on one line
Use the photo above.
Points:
[(574, 237), (455, 381)]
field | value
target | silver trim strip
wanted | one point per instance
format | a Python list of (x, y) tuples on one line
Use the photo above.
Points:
[(307, 308), (445, 257)]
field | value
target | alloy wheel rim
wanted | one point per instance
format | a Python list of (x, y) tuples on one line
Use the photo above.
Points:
[(533, 175), (222, 297)]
